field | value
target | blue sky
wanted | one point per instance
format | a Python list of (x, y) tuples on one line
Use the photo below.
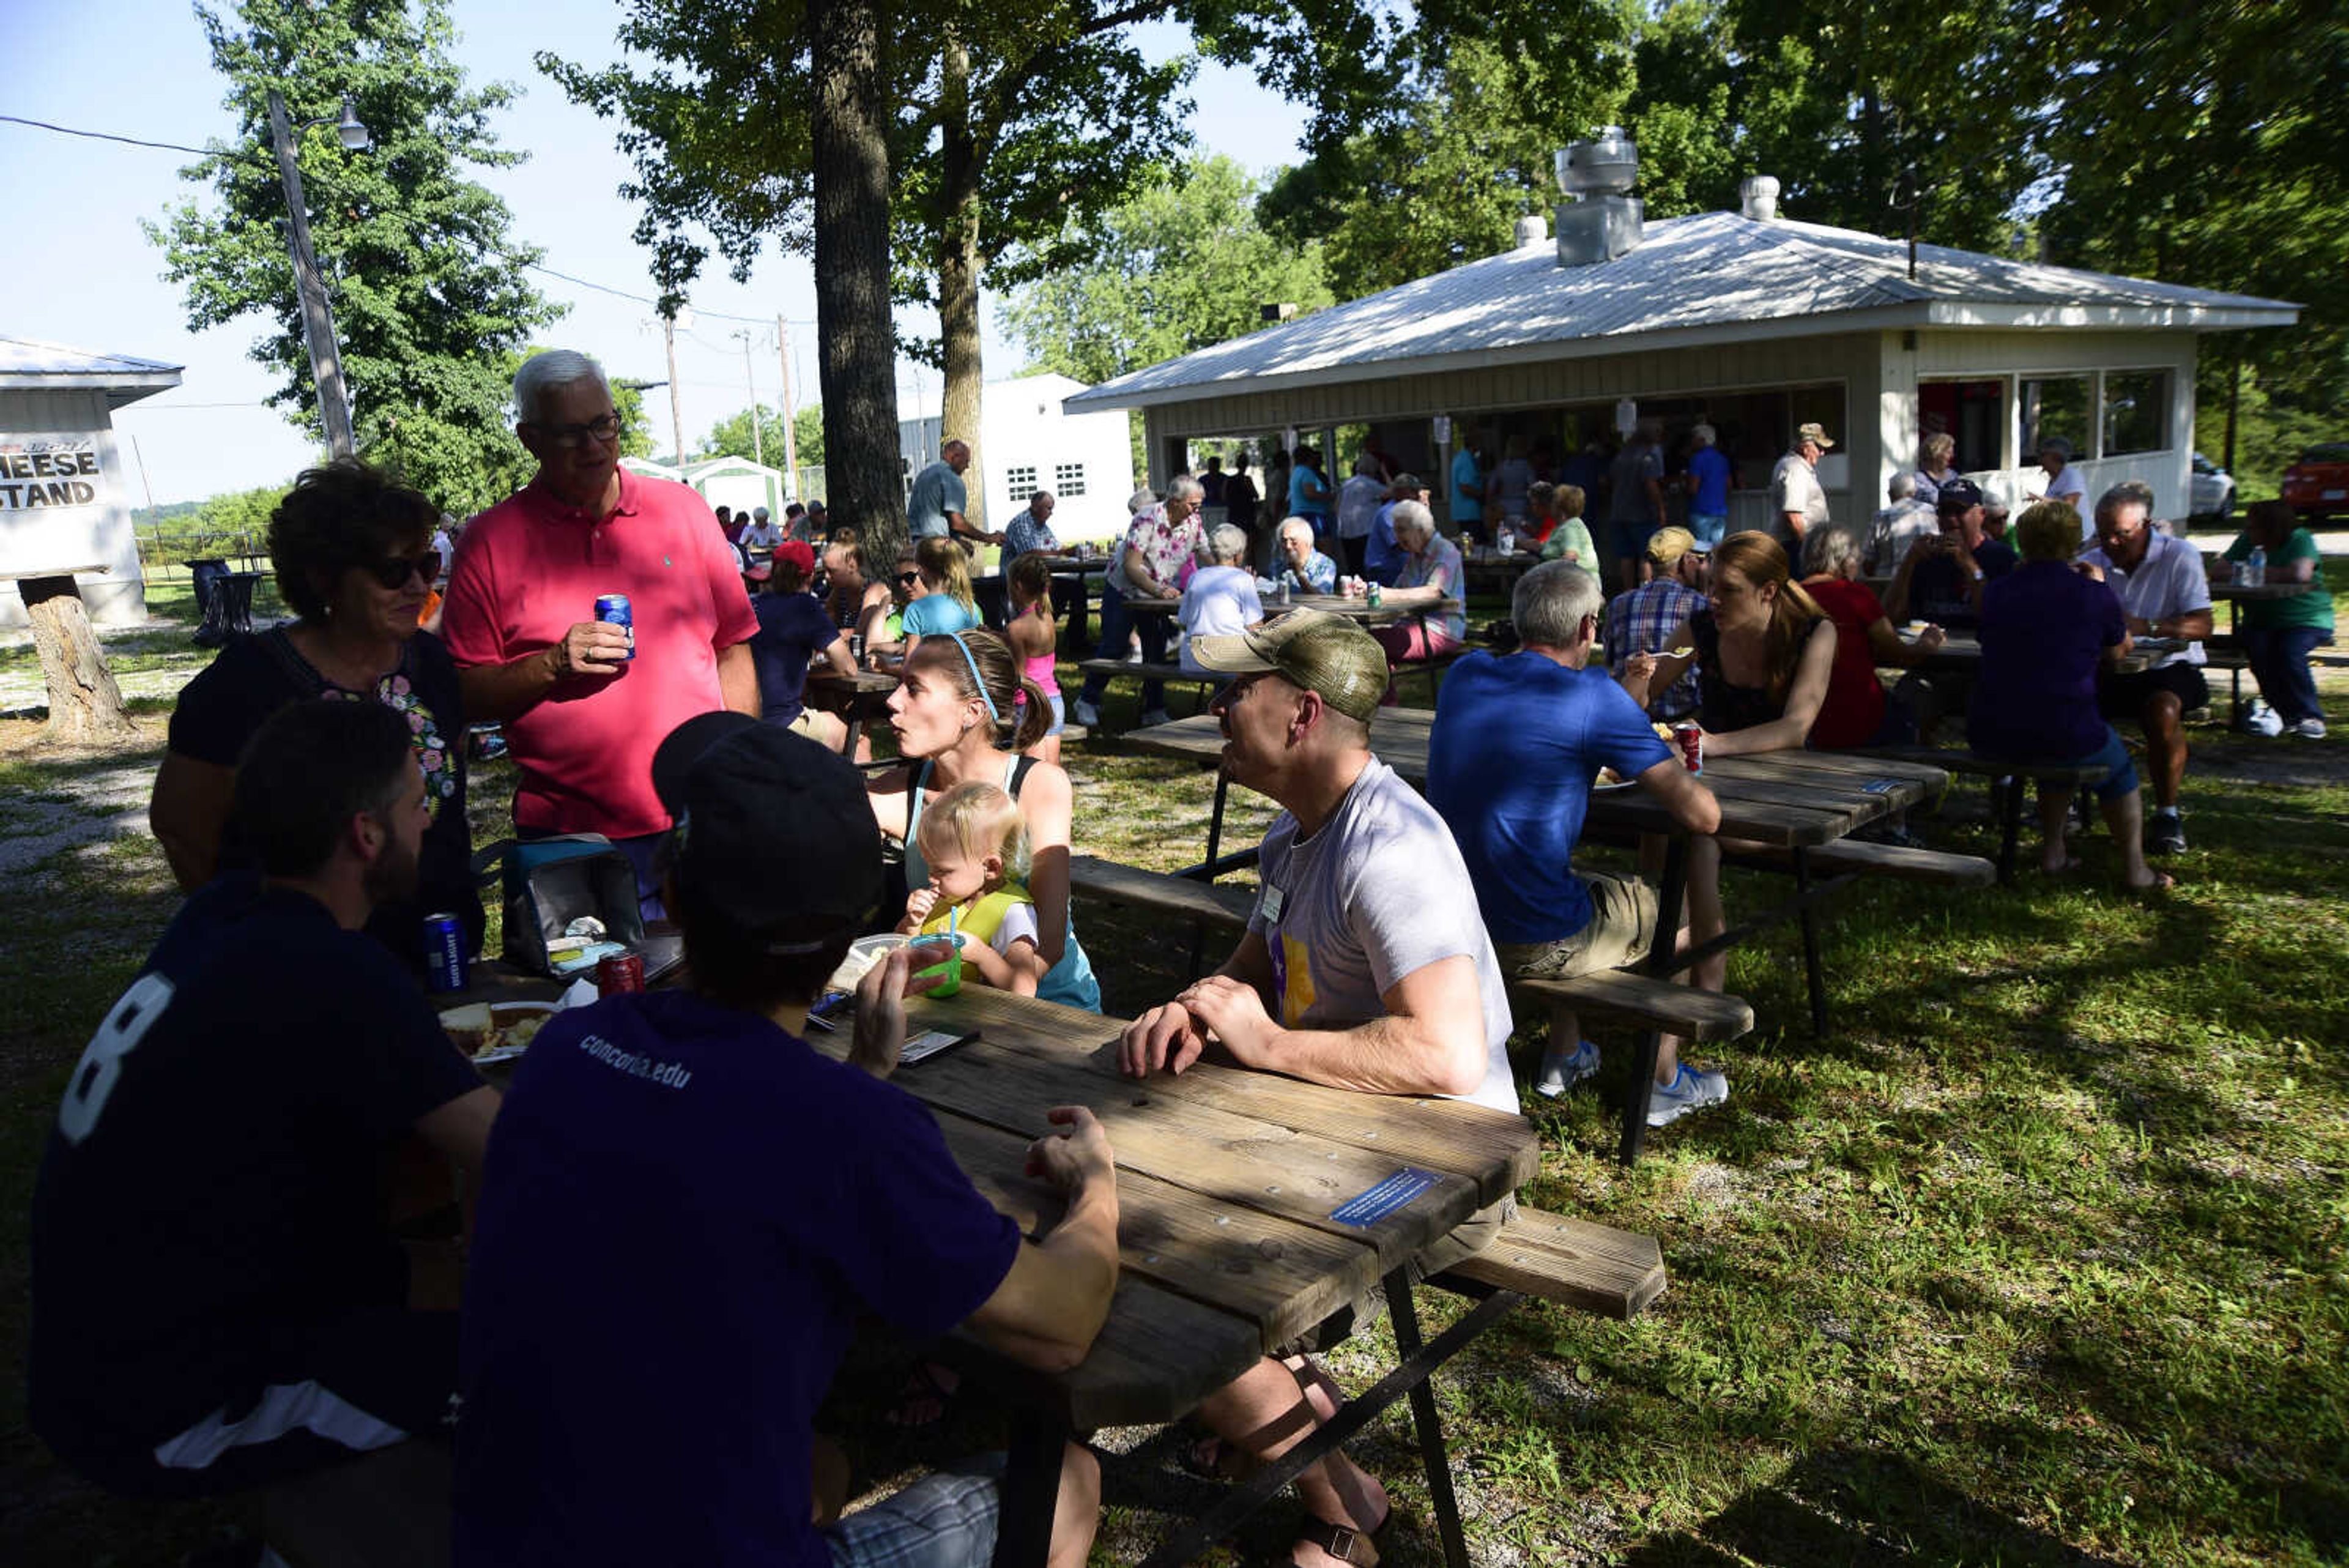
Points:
[(84, 276)]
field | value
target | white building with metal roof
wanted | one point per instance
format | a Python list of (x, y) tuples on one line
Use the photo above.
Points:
[(65, 500), (1747, 321)]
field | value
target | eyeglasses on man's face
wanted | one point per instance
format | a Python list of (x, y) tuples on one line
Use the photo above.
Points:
[(604, 431)]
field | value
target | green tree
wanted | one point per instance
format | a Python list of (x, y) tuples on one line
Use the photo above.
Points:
[(989, 126), (2206, 146), (1181, 266), (730, 437), (427, 289)]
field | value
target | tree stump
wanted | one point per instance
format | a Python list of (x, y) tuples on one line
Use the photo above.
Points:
[(84, 701)]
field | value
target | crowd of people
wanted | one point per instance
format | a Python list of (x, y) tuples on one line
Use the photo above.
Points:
[(217, 1300)]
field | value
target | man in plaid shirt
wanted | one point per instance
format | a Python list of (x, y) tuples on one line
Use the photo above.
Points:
[(1648, 618)]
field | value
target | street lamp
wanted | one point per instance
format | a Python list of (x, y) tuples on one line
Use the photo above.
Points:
[(318, 318)]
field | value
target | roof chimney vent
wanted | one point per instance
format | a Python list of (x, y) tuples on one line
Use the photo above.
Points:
[(1601, 223), (1759, 194), (1532, 230)]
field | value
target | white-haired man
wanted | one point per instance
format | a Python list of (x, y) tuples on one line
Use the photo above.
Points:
[(584, 702), (1900, 525)]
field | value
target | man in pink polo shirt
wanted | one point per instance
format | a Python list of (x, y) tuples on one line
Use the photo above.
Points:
[(582, 718)]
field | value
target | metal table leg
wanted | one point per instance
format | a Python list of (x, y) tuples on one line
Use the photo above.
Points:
[(1659, 966), (1032, 1487), (1810, 918), (1427, 1424)]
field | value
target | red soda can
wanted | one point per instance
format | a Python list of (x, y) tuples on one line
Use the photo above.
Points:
[(1692, 744), (617, 972)]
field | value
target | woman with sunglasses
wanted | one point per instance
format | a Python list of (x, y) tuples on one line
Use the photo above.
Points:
[(354, 559), (883, 618)]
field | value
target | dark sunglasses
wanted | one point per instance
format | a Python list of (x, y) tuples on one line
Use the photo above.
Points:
[(394, 573), (909, 576)]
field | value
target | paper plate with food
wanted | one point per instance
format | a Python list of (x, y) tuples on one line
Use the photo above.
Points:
[(491, 1031)]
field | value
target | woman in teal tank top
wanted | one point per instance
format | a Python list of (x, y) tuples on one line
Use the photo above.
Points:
[(955, 719)]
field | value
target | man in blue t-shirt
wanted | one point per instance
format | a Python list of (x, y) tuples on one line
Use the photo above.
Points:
[(1467, 490), (1382, 558), (218, 1301), (1708, 481), (1517, 742), (688, 1209)]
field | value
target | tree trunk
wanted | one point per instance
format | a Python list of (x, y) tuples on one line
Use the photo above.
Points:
[(857, 339), (958, 267), (85, 704)]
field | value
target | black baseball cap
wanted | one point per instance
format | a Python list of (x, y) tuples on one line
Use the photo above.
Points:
[(1959, 495), (772, 829)]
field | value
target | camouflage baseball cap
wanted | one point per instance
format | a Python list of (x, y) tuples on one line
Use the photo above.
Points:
[(1313, 649)]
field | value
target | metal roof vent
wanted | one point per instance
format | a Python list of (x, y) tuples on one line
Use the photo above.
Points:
[(1532, 230), (1601, 222), (1759, 197)]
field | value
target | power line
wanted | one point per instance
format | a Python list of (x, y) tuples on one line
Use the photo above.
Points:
[(109, 136), (219, 152)]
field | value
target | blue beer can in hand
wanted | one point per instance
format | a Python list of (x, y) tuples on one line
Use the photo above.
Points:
[(612, 609), (446, 966)]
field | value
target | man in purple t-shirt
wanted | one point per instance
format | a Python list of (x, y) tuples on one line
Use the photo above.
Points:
[(693, 1208)]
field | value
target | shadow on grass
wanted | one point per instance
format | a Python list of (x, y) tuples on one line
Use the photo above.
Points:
[(1854, 1507)]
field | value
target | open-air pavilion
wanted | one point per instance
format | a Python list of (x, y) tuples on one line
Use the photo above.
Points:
[(1752, 323)]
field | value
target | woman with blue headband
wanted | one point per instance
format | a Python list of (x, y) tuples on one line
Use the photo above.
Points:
[(959, 717)]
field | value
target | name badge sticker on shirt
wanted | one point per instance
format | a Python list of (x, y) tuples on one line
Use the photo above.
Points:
[(1367, 1208), (1271, 904)]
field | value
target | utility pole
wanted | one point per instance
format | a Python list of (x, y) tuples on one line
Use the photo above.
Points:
[(317, 319), (758, 444), (676, 410), (790, 415)]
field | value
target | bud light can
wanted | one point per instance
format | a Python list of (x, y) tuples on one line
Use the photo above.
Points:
[(617, 972), (612, 609), (1692, 744), (446, 966)]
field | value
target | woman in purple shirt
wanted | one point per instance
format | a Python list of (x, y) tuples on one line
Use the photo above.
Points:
[(2045, 628)]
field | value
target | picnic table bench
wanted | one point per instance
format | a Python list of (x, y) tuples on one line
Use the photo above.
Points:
[(857, 699), (2233, 659), (2008, 778)]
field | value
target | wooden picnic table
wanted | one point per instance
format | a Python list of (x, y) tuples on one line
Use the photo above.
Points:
[(855, 699), (1961, 651), (1229, 1185), (1790, 801)]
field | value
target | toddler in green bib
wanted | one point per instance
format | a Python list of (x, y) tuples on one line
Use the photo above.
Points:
[(975, 844)]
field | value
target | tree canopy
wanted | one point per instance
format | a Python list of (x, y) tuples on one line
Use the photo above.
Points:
[(1182, 264), (428, 291), (730, 437)]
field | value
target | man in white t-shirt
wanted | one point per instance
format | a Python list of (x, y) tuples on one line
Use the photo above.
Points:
[(762, 534), (1366, 966), (2164, 592), (1358, 499)]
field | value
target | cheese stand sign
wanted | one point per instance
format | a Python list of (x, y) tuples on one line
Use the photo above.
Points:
[(42, 472)]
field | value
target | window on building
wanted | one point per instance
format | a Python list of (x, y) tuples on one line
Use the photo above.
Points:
[(1068, 479), (2054, 407), (2136, 412), (1021, 482), (1972, 412)]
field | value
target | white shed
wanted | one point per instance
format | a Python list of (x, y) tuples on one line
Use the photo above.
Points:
[(740, 484), (1751, 323), (1027, 442), (646, 468), (64, 500)]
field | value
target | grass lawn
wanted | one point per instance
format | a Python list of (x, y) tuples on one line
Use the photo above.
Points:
[(2038, 1257)]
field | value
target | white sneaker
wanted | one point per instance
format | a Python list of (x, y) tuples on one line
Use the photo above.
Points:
[(1085, 714), (1156, 716), (1133, 656), (1561, 1070), (1692, 1091), (2259, 719), (2310, 729)]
